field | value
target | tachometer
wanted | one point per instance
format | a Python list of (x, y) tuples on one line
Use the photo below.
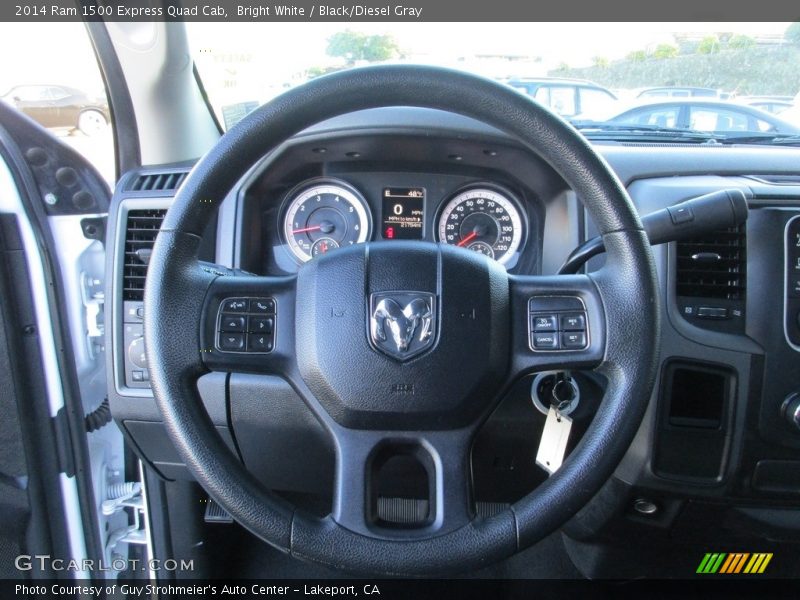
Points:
[(484, 220), (323, 215)]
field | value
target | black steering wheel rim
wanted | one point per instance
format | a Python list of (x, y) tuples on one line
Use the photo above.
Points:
[(177, 285)]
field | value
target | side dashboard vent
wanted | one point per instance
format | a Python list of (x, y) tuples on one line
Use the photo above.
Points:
[(167, 182), (141, 229), (714, 266)]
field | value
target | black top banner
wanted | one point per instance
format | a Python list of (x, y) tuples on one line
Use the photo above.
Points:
[(398, 10)]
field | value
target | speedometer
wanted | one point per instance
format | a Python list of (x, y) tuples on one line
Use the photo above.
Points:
[(484, 220), (323, 215)]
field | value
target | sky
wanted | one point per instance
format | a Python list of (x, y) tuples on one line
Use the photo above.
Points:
[(573, 43), (281, 50), (298, 46)]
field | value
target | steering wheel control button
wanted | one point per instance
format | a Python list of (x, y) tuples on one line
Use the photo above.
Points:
[(232, 323), (545, 341), (260, 324), (573, 322), (557, 323), (259, 343), (544, 323), (250, 326), (573, 340), (262, 305), (234, 305), (231, 341)]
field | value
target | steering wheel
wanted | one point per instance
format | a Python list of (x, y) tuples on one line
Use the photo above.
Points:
[(471, 339)]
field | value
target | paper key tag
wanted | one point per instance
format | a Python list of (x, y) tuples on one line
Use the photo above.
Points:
[(553, 444)]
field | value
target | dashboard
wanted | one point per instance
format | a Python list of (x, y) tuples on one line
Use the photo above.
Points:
[(717, 429), (312, 197)]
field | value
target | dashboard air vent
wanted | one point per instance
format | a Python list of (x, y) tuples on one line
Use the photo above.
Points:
[(157, 182), (141, 230), (714, 266), (777, 179)]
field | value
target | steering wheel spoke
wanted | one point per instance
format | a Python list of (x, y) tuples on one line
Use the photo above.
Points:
[(247, 323), (558, 322), (402, 485)]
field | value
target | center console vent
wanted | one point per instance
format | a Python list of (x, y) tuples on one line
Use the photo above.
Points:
[(713, 267), (141, 229), (711, 279)]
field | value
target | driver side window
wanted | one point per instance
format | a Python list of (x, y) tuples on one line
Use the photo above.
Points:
[(60, 88)]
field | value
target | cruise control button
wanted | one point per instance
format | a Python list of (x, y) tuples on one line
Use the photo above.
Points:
[(545, 340), (231, 341), (544, 323), (262, 305), (573, 339), (573, 323), (234, 305), (232, 323), (259, 343), (260, 324)]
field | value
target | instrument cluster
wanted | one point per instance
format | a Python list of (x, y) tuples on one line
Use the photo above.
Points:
[(323, 214)]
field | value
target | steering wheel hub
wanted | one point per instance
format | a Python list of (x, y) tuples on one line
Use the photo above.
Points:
[(422, 328)]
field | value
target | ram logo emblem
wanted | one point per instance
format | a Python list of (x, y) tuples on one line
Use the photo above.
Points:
[(402, 324)]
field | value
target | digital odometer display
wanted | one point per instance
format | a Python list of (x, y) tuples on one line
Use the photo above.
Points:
[(403, 213)]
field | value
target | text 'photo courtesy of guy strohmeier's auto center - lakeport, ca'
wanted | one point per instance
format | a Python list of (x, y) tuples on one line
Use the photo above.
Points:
[(423, 299)]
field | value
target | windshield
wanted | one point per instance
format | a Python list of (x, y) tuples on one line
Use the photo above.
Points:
[(726, 80)]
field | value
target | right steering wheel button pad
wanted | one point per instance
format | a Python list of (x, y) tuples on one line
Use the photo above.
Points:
[(557, 323), (246, 325)]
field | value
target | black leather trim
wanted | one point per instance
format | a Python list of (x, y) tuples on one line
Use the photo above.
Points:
[(476, 545)]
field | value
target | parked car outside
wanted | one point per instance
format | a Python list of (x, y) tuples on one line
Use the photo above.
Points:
[(704, 115), (771, 105), (792, 114), (54, 106), (567, 97), (680, 92)]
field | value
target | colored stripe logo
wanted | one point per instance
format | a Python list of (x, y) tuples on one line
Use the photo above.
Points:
[(734, 562)]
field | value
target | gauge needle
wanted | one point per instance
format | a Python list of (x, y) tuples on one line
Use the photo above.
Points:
[(324, 227), (306, 229), (468, 239)]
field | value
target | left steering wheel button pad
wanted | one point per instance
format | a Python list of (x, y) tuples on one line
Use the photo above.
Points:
[(246, 325)]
